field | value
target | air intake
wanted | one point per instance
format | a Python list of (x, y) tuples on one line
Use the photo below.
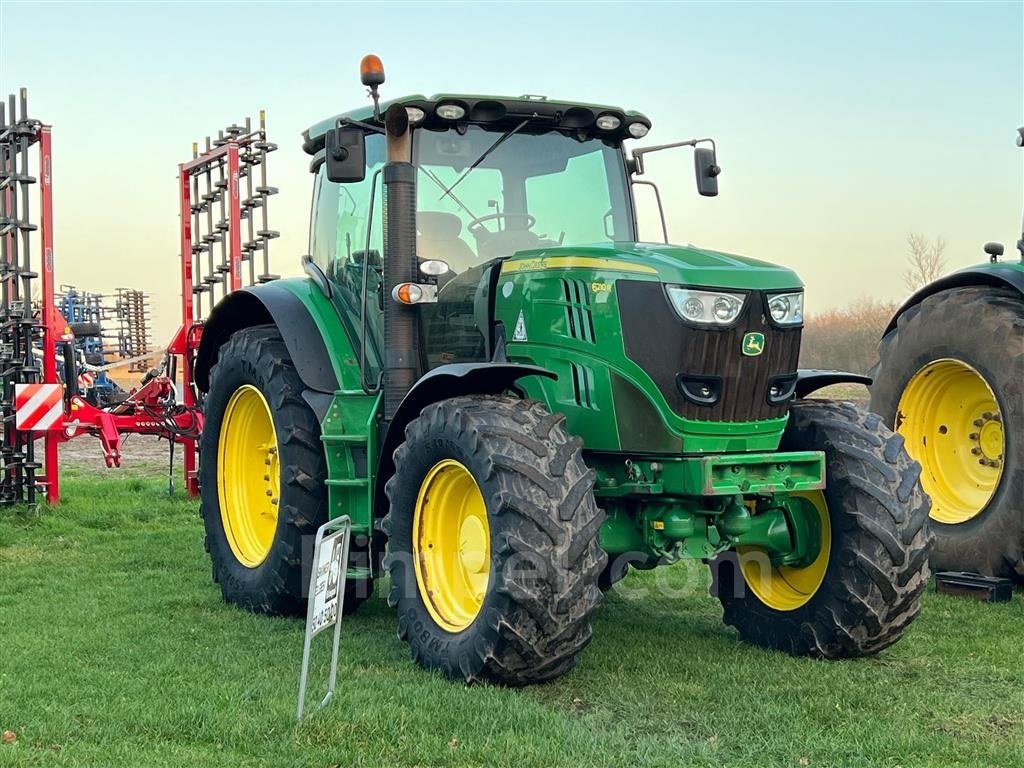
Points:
[(579, 318)]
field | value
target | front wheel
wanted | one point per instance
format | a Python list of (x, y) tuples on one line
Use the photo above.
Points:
[(864, 586), (493, 548)]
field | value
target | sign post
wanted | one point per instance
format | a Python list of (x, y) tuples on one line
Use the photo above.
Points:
[(326, 597)]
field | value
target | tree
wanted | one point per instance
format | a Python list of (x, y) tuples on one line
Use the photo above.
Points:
[(926, 260)]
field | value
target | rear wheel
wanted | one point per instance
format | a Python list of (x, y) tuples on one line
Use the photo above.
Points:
[(863, 587), (262, 476), (950, 379), (493, 548)]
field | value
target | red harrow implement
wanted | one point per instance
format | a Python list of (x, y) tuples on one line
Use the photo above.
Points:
[(21, 327), (223, 248)]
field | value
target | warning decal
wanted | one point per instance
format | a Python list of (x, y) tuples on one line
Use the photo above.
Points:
[(519, 334)]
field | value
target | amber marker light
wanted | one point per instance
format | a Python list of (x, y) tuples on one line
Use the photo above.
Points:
[(407, 293)]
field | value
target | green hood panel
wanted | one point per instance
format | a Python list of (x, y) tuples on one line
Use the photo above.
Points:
[(686, 265)]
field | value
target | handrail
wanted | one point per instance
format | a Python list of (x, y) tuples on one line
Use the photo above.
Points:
[(371, 389)]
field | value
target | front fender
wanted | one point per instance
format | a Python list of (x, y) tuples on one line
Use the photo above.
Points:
[(306, 319), (810, 380), (439, 384)]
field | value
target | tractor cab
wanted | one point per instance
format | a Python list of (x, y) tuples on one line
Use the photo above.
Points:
[(494, 177)]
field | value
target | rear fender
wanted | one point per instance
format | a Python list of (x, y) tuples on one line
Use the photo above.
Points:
[(997, 275), (309, 324)]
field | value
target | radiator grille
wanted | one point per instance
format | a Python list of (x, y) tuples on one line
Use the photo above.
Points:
[(667, 348)]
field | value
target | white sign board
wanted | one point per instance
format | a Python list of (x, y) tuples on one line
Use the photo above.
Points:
[(325, 578), (326, 593)]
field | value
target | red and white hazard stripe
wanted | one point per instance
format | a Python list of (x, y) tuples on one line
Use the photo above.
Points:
[(38, 407), (86, 380)]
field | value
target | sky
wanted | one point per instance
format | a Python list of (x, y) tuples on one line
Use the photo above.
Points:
[(841, 127)]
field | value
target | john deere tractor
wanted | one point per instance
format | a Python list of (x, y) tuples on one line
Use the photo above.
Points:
[(950, 379), (515, 402)]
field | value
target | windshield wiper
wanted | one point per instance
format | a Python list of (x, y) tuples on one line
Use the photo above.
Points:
[(440, 184), (486, 152)]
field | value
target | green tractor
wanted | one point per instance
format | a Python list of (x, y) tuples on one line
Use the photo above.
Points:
[(950, 379), (515, 402)]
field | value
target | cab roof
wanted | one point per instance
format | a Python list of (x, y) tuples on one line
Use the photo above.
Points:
[(497, 112)]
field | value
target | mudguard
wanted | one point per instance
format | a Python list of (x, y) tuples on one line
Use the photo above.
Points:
[(810, 380), (288, 305), (439, 384), (999, 275)]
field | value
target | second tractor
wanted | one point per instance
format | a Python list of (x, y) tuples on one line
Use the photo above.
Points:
[(950, 379)]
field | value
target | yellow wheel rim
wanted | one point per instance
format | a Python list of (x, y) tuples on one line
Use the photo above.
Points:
[(451, 545), (248, 476), (783, 587), (952, 423)]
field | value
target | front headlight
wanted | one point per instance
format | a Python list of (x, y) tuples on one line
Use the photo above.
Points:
[(708, 307), (786, 308)]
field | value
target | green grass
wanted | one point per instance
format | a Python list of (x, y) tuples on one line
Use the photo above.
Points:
[(116, 649)]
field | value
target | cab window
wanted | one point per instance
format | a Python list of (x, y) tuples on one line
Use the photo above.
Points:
[(338, 230), (483, 195)]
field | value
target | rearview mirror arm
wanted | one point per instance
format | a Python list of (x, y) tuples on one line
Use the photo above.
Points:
[(341, 122), (638, 154)]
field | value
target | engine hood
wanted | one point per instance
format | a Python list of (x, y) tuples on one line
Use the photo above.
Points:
[(682, 264)]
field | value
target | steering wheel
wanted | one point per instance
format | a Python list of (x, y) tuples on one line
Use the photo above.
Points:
[(478, 230)]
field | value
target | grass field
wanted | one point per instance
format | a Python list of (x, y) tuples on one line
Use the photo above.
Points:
[(116, 650)]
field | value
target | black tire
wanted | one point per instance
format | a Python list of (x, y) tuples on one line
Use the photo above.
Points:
[(983, 327), (614, 571), (619, 566), (878, 562), (542, 590), (259, 357), (86, 330)]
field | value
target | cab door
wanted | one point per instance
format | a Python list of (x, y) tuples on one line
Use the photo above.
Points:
[(346, 241)]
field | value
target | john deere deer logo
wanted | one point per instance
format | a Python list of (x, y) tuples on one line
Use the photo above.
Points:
[(753, 344)]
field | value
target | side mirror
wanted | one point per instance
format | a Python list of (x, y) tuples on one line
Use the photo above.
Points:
[(994, 251), (346, 154), (706, 170)]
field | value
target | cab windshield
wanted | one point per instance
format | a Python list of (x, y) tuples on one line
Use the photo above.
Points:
[(531, 191)]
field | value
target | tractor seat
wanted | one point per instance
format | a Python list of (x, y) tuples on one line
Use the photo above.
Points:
[(437, 237)]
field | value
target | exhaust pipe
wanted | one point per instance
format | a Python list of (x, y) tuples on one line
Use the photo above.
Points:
[(401, 336)]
